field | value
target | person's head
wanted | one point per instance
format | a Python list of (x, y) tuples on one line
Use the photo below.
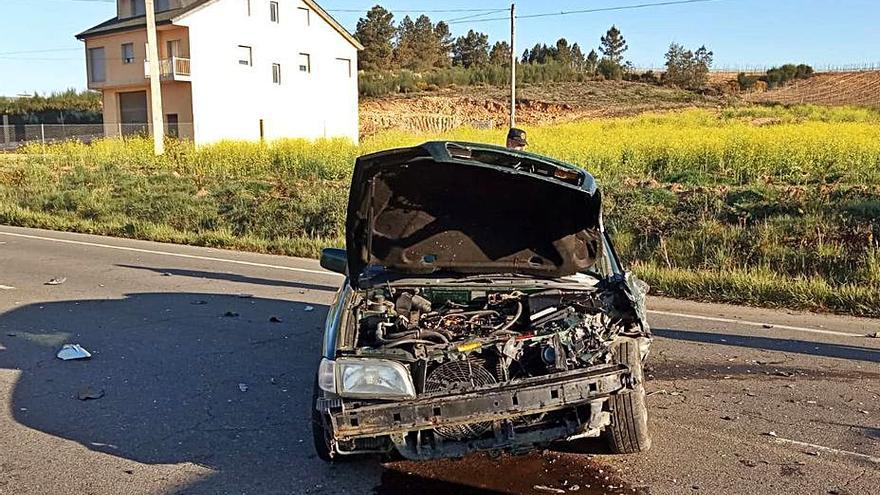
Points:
[(516, 139)]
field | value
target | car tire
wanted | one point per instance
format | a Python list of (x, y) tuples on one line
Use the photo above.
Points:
[(628, 432), (319, 430)]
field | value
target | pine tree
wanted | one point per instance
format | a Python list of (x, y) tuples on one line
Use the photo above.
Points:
[(376, 33), (500, 54), (613, 45), (562, 52), (445, 43), (577, 57), (471, 50), (592, 62)]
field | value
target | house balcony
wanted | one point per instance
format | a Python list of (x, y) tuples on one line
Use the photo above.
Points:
[(170, 69)]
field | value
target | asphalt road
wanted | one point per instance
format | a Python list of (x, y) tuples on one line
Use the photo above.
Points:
[(202, 393)]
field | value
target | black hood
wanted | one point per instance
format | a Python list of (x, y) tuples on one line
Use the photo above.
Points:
[(463, 208)]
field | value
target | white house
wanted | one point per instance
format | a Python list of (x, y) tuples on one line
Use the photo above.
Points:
[(231, 69)]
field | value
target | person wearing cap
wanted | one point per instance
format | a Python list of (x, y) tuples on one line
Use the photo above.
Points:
[(516, 139)]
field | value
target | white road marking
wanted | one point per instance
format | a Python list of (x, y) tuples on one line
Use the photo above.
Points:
[(6, 287), (864, 457), (166, 253), (755, 323)]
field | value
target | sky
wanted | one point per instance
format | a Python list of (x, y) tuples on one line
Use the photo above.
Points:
[(38, 51)]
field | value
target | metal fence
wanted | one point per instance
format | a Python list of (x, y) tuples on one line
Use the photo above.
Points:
[(13, 136)]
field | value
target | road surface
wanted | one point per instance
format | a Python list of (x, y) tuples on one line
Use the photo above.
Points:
[(204, 393)]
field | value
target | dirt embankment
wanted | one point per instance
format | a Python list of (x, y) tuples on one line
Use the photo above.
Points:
[(484, 107), (829, 88)]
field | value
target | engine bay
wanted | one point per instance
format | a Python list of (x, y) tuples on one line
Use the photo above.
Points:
[(455, 339)]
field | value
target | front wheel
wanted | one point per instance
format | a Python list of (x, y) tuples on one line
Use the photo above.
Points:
[(628, 432), (319, 430)]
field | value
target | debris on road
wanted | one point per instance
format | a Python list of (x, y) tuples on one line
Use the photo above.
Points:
[(748, 462), (275, 319), (771, 434), (73, 351), (166, 274), (309, 308), (230, 314), (89, 393), (875, 335), (56, 281), (200, 302), (243, 387), (548, 489), (767, 325)]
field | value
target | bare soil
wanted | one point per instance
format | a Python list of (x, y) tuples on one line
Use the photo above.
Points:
[(536, 105)]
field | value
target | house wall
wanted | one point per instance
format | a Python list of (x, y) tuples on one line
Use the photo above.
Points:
[(231, 99), (133, 74), (120, 77), (176, 98)]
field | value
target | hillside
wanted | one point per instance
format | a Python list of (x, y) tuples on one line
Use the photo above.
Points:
[(536, 105), (828, 88)]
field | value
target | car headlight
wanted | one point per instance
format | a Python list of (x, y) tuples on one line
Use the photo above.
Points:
[(366, 378)]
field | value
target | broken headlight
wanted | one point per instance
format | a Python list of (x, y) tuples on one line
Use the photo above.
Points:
[(366, 379)]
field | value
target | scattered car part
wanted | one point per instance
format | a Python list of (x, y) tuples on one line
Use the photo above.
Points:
[(70, 352)]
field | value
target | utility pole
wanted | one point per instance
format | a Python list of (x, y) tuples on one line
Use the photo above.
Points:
[(155, 81), (512, 65)]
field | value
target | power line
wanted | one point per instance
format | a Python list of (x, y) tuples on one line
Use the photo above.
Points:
[(601, 9), (489, 12)]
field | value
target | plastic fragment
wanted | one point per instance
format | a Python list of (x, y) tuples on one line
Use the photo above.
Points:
[(73, 351), (56, 281)]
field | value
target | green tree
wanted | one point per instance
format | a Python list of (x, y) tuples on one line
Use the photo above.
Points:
[(500, 54), (376, 33), (685, 68), (578, 62), (613, 45), (417, 47), (445, 43), (562, 52), (471, 50), (592, 63)]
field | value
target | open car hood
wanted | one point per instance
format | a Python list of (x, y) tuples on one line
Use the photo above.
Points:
[(464, 208)]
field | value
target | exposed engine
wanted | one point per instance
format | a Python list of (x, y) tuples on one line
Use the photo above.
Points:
[(458, 339)]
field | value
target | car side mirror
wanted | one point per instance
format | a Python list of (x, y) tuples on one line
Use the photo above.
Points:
[(335, 260)]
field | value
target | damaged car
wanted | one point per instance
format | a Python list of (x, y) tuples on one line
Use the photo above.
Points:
[(483, 308)]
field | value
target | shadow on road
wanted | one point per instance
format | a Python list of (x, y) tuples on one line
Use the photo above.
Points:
[(840, 351), (233, 277), (171, 365)]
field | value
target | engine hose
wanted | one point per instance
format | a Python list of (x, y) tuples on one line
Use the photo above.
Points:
[(401, 342), (430, 333), (506, 326)]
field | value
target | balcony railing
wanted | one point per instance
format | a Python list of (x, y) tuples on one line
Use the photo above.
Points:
[(170, 69)]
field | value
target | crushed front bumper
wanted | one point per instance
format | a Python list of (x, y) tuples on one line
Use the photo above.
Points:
[(497, 404)]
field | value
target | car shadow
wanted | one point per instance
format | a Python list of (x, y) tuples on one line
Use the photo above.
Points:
[(841, 351), (233, 277), (196, 378)]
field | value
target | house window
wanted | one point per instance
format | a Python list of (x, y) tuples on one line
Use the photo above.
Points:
[(345, 66), (304, 16), (305, 62), (245, 55), (97, 65), (273, 11), (276, 73), (138, 7), (127, 53)]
